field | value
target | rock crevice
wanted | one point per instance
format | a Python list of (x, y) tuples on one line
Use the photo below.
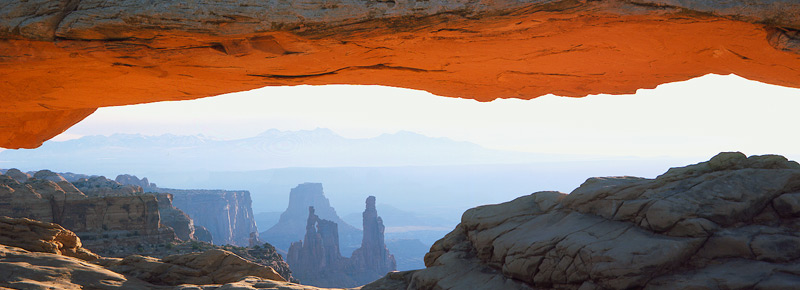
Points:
[(699, 226)]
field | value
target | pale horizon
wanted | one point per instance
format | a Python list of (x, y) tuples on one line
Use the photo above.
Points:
[(695, 118)]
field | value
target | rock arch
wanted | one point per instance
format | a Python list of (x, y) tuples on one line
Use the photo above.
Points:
[(60, 60)]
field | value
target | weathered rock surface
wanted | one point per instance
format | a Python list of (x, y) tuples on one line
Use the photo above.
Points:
[(60, 60), (17, 175), (203, 234), (729, 223), (21, 269), (317, 261), (42, 237), (372, 260), (172, 217), (145, 184), (101, 186), (113, 224), (48, 175), (37, 255), (293, 221), (210, 267), (224, 214)]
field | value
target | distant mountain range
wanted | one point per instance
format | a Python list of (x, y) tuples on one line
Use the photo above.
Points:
[(133, 153)]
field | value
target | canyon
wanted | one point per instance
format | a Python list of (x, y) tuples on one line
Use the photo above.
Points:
[(118, 220), (61, 60), (114, 218), (317, 261), (38, 255), (730, 222)]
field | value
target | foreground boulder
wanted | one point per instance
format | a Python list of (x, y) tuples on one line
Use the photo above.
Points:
[(110, 218), (729, 223), (210, 267), (42, 237), (38, 255)]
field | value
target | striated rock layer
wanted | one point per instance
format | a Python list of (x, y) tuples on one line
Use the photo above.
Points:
[(316, 259), (37, 255), (113, 219), (59, 60), (227, 215), (222, 216), (42, 237), (729, 223)]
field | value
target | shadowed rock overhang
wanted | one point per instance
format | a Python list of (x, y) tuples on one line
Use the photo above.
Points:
[(60, 60)]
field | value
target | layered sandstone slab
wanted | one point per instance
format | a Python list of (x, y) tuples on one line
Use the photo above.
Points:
[(112, 218), (38, 255), (222, 216), (59, 60), (42, 237), (729, 223)]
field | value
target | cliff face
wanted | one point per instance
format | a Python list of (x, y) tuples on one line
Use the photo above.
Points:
[(172, 217), (226, 215), (292, 221), (109, 223), (62, 58), (729, 223), (42, 237), (316, 259), (38, 255)]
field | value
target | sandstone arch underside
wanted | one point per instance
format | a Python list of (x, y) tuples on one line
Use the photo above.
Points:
[(60, 60)]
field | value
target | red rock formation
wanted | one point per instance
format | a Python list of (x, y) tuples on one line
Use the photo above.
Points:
[(38, 255), (224, 216), (61, 60), (43, 237), (103, 222)]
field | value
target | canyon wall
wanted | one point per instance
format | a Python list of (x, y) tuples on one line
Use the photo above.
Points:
[(176, 219), (118, 220), (62, 60), (316, 259), (39, 255), (226, 215), (729, 223)]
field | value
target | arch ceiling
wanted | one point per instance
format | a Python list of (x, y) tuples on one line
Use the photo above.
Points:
[(60, 60)]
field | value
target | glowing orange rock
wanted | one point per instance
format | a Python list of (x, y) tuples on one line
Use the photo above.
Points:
[(567, 48)]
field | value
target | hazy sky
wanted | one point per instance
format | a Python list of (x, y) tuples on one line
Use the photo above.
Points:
[(698, 117)]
